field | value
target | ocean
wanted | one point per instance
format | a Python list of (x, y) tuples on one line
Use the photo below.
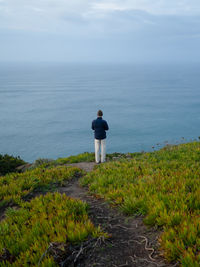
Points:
[(46, 109)]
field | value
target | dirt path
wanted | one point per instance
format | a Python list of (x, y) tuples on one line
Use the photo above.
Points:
[(131, 242), (86, 166)]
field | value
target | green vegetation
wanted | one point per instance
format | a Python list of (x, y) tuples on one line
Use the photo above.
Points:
[(89, 157), (27, 233), (165, 187), (45, 163), (84, 157), (15, 187), (9, 163)]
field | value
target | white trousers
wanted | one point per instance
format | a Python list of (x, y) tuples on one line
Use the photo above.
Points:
[(100, 144)]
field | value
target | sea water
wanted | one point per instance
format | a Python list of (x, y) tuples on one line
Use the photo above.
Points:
[(46, 109)]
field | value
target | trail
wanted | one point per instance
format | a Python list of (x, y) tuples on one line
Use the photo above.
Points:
[(131, 242)]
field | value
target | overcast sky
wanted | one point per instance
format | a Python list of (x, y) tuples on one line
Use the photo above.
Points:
[(100, 30)]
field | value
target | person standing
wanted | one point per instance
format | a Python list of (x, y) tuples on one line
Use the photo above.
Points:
[(100, 127)]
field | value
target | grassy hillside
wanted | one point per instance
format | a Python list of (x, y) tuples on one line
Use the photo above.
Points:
[(164, 186), (84, 157), (16, 187), (39, 232), (50, 221)]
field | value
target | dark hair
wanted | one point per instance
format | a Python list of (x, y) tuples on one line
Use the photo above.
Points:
[(100, 113)]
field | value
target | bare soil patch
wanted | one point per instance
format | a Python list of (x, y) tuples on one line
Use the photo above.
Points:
[(86, 166)]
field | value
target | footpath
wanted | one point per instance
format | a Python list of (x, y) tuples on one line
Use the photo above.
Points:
[(131, 242)]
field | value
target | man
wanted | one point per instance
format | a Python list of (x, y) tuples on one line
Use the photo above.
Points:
[(100, 127)]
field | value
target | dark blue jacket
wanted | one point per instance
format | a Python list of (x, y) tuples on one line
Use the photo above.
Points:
[(100, 127)]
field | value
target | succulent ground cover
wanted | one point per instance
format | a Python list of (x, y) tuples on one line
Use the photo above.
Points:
[(84, 157), (30, 235), (15, 187), (164, 186)]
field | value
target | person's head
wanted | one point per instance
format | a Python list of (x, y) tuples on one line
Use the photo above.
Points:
[(100, 113)]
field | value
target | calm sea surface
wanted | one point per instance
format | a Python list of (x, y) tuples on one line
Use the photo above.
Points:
[(46, 109)]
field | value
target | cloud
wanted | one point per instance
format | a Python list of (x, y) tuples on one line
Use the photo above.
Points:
[(41, 15), (60, 15), (100, 18), (156, 7), (93, 29)]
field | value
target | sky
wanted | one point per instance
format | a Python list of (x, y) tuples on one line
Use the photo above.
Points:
[(100, 30)]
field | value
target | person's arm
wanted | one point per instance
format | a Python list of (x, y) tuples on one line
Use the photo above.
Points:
[(106, 126), (92, 125)]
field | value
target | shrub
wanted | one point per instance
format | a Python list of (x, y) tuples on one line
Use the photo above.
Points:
[(9, 163), (42, 162)]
